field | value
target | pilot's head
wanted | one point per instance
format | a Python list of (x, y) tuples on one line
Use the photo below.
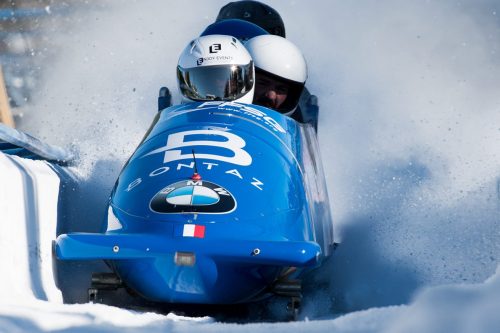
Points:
[(280, 72), (216, 68)]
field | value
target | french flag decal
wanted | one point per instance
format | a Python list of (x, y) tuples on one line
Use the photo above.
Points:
[(193, 230)]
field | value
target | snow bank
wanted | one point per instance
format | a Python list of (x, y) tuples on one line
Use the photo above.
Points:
[(443, 309), (28, 209), (40, 316)]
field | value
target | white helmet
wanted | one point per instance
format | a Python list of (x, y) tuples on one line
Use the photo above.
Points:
[(216, 68), (277, 58)]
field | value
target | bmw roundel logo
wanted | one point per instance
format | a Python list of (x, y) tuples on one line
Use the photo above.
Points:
[(193, 196)]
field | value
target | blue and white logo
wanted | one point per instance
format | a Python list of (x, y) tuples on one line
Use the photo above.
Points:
[(193, 196)]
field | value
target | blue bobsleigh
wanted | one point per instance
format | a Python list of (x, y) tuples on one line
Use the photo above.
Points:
[(221, 203)]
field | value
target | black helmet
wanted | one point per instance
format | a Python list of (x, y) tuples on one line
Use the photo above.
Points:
[(255, 12)]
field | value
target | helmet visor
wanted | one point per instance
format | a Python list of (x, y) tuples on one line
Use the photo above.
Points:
[(216, 83)]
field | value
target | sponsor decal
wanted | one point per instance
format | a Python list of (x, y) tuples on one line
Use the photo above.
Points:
[(205, 167), (212, 144), (257, 183), (219, 58), (214, 48), (230, 142), (249, 111), (193, 196), (133, 184)]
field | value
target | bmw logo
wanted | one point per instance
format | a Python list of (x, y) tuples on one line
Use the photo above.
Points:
[(193, 196)]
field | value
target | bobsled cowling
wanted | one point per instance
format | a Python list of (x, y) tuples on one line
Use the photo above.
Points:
[(237, 187)]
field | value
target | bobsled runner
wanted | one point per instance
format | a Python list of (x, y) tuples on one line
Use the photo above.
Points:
[(221, 203)]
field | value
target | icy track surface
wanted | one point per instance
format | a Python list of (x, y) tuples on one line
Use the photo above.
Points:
[(409, 132)]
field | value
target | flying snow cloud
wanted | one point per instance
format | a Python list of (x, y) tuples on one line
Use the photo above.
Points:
[(99, 94), (409, 129)]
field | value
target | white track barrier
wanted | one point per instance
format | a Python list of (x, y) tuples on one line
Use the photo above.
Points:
[(29, 193)]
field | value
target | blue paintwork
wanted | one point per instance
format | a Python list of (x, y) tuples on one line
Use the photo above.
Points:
[(243, 30), (270, 193)]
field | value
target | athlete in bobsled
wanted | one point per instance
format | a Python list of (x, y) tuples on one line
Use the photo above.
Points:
[(222, 202), (216, 68), (281, 69)]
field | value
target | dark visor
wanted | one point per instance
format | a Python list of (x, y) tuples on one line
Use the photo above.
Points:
[(216, 83)]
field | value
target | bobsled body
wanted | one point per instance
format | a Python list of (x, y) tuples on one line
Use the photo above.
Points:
[(215, 205)]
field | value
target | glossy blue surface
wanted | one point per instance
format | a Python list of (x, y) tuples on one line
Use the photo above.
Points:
[(257, 209), (243, 30)]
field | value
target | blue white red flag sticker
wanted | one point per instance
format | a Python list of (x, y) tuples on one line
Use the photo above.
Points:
[(190, 230)]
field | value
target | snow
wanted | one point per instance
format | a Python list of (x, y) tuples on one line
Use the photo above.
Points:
[(28, 202), (452, 308), (409, 132)]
